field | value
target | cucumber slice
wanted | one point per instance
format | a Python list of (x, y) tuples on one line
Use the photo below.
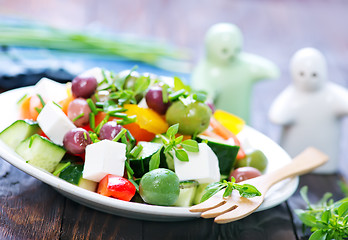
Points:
[(73, 174), (88, 184), (18, 131), (40, 152), (226, 153), (140, 165), (199, 193), (187, 193)]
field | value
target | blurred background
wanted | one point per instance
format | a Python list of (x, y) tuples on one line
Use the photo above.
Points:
[(273, 29)]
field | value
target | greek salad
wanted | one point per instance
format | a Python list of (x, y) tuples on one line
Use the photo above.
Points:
[(131, 136)]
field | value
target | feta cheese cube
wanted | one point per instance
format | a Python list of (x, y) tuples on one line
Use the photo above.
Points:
[(203, 166), (54, 123), (102, 158), (50, 90)]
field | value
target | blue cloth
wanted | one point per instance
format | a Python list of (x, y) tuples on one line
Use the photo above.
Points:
[(25, 66)]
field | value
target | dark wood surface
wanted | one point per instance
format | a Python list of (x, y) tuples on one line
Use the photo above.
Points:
[(30, 209)]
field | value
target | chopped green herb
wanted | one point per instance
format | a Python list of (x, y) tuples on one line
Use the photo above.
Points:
[(127, 120), (119, 135), (165, 93), (59, 170), (78, 117), (94, 137), (200, 96), (92, 120), (134, 183), (96, 96), (41, 100), (136, 151), (57, 104), (85, 135), (22, 98), (105, 120), (175, 95), (31, 140), (92, 106), (119, 115), (128, 168), (38, 109)]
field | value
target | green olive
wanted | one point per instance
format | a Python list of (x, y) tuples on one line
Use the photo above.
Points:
[(193, 118), (256, 159), (160, 187)]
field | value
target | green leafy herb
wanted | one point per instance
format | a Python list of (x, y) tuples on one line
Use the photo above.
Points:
[(344, 187), (155, 160), (190, 145), (245, 190), (181, 155), (179, 85), (172, 143), (141, 84), (327, 219)]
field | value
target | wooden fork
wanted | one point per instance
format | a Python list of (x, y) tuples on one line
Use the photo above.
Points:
[(235, 207)]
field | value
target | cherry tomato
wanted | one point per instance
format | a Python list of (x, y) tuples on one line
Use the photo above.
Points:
[(117, 187)]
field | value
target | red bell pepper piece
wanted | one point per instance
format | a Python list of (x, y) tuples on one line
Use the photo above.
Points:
[(117, 187)]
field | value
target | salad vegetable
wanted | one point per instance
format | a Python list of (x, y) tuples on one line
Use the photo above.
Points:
[(129, 134)]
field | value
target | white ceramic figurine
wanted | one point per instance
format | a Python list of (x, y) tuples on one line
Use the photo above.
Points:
[(227, 73), (310, 109)]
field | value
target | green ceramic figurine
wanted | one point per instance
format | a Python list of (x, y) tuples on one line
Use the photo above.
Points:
[(227, 73)]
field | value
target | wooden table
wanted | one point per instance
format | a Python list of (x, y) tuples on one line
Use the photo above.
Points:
[(30, 209)]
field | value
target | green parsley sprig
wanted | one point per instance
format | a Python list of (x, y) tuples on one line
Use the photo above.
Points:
[(245, 190), (176, 144), (327, 219)]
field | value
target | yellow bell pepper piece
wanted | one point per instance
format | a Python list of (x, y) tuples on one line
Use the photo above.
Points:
[(231, 122), (147, 118)]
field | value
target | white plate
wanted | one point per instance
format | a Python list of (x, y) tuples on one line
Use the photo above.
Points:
[(276, 155)]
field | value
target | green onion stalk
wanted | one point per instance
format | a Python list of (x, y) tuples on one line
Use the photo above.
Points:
[(42, 36)]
